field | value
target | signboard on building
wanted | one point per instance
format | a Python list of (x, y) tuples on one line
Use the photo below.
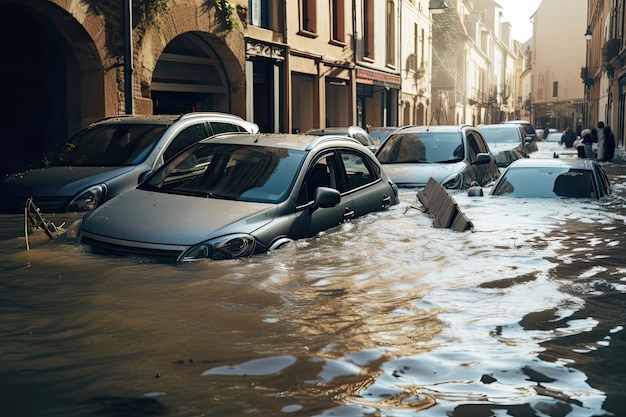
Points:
[(367, 76)]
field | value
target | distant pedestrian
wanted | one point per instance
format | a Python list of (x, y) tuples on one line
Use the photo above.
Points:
[(568, 138), (579, 128), (585, 147), (609, 144), (601, 143)]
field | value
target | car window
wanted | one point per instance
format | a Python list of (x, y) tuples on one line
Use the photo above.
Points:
[(358, 170), (501, 134), (473, 146), (604, 181), (186, 137), (113, 144), (321, 174), (546, 182), (222, 127), (227, 171), (422, 147)]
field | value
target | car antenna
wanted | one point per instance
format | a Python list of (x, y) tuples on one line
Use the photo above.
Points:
[(431, 121)]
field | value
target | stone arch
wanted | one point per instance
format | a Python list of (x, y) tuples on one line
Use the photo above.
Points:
[(197, 72), (197, 27)]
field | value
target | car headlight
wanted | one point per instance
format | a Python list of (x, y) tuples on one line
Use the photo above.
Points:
[(225, 247), (453, 182), (88, 199)]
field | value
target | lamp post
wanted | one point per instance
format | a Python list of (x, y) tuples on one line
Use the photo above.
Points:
[(588, 35)]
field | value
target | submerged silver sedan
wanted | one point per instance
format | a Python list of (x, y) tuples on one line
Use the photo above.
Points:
[(551, 178), (237, 195)]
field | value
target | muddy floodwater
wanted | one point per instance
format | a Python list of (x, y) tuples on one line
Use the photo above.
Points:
[(383, 316)]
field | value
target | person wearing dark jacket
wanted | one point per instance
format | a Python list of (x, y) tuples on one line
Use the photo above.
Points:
[(569, 137), (609, 145)]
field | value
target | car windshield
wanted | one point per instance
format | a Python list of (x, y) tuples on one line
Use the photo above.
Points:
[(226, 171), (500, 135), (546, 182), (422, 147), (114, 144)]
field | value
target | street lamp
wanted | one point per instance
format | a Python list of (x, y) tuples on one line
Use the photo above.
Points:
[(588, 35), (437, 6)]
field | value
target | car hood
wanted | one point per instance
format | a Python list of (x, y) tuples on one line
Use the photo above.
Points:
[(418, 174), (58, 181), (160, 218)]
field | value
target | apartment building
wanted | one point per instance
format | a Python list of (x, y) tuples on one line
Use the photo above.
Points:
[(558, 53)]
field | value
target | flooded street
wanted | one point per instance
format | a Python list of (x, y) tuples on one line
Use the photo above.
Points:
[(383, 316)]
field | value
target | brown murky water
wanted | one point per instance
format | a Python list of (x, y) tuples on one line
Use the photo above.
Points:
[(383, 316)]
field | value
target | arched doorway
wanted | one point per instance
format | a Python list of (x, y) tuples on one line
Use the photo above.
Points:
[(189, 76), (45, 80)]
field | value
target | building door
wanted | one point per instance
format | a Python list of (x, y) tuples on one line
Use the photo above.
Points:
[(189, 76)]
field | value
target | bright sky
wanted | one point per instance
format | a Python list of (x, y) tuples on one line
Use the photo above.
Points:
[(518, 13)]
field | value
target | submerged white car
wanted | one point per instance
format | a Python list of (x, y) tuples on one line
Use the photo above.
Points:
[(455, 156)]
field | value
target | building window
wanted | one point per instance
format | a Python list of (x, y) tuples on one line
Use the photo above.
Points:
[(368, 29), (555, 89), (337, 12), (391, 33), (308, 16), (259, 13)]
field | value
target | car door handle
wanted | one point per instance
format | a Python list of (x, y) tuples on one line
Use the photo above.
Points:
[(386, 201), (349, 214)]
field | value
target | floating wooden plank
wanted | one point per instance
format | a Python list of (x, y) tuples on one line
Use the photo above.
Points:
[(442, 206)]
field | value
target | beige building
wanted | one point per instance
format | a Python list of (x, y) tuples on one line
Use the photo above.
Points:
[(558, 52)]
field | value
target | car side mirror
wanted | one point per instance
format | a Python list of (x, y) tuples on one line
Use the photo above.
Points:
[(475, 191), (325, 197), (143, 176), (482, 158)]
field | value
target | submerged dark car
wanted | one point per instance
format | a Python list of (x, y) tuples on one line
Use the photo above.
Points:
[(455, 156), (109, 157), (530, 131), (551, 178), (507, 142), (238, 195)]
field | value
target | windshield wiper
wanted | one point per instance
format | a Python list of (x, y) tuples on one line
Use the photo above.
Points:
[(412, 161), (221, 196)]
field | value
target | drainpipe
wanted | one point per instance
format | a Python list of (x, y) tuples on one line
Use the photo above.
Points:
[(128, 57)]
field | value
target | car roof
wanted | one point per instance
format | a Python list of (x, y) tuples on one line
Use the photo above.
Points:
[(167, 119), (335, 130), (302, 142), (500, 126), (578, 163), (434, 128)]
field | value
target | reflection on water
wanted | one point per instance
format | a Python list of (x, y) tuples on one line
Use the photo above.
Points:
[(382, 316)]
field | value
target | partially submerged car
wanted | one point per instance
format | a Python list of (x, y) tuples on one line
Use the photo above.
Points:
[(551, 178), (355, 132), (507, 142), (238, 195), (530, 131), (455, 156), (109, 157)]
